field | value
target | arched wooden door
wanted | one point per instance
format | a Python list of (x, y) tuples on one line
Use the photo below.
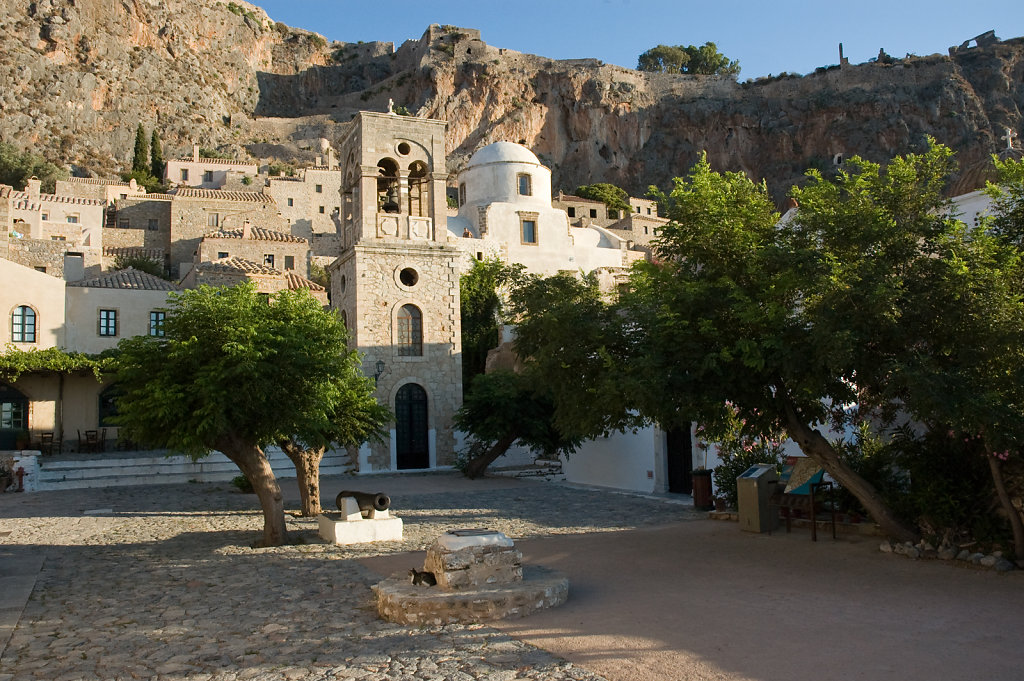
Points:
[(411, 427), (13, 416)]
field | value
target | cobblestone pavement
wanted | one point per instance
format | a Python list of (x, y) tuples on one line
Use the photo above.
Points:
[(159, 582)]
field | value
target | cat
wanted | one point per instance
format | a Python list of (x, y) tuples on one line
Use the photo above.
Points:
[(422, 577)]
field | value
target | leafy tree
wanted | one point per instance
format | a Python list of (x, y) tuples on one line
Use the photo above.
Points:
[(615, 198), (704, 60), (141, 263), (480, 302), (237, 371), (140, 160), (156, 156), (1008, 199), (145, 180), (16, 168), (502, 408)]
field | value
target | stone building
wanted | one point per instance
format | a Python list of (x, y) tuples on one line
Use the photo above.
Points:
[(39, 228), (310, 204), (396, 284), (209, 173), (255, 244), (232, 271), (107, 191)]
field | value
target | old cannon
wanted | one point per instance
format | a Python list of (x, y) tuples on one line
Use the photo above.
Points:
[(367, 502)]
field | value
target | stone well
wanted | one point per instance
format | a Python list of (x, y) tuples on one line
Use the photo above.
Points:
[(480, 577)]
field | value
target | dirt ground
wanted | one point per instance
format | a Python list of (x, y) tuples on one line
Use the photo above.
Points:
[(702, 600)]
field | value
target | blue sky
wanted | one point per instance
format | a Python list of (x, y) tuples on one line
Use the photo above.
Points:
[(766, 37)]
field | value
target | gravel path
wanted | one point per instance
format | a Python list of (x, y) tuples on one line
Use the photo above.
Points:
[(159, 582)]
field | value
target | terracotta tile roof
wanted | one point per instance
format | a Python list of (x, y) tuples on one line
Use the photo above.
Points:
[(234, 265), (133, 251), (98, 180), (215, 161), (258, 234), (221, 195), (286, 178), (53, 198), (128, 279), (296, 281)]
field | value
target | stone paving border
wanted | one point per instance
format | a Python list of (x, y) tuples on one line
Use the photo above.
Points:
[(165, 586)]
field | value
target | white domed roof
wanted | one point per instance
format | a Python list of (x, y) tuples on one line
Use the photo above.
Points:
[(502, 152)]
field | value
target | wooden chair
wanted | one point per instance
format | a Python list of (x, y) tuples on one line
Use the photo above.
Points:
[(46, 443), (92, 440), (801, 487)]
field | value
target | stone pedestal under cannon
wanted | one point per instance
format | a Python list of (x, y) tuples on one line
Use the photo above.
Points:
[(361, 518), (480, 577)]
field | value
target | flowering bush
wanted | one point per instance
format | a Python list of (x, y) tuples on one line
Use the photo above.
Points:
[(739, 449)]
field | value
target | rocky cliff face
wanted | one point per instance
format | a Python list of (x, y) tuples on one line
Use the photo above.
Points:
[(77, 76)]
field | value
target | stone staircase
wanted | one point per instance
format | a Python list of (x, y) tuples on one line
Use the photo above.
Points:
[(116, 469), (541, 469)]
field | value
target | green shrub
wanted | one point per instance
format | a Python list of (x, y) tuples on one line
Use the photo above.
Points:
[(242, 483)]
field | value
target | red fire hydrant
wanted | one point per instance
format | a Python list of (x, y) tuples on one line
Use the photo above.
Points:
[(21, 478)]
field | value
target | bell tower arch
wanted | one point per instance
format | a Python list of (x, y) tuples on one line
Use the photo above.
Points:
[(397, 283)]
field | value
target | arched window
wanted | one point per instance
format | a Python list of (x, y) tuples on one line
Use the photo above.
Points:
[(410, 331), (387, 186), (23, 325), (419, 196)]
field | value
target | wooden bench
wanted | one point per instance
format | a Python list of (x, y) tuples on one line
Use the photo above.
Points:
[(802, 487)]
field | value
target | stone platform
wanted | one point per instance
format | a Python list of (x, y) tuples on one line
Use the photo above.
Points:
[(399, 600)]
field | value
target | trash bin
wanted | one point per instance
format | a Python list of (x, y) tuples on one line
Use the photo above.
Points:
[(753, 490), (702, 500)]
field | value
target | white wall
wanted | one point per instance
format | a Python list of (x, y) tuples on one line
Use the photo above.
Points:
[(621, 461)]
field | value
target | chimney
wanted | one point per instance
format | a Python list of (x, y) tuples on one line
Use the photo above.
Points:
[(195, 153), (331, 161), (74, 267), (319, 160), (33, 187), (247, 230)]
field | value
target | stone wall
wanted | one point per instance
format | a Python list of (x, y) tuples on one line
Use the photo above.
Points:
[(135, 219), (191, 219), (257, 250), (47, 256)]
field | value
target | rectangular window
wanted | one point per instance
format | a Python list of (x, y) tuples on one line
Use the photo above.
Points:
[(613, 214), (462, 194), (184, 174), (289, 262), (268, 259), (40, 269), (58, 238), (291, 202), (638, 209), (45, 216), (525, 188), (321, 209), (153, 224), (213, 220), (73, 219), (648, 211), (529, 231), (108, 323), (319, 189), (221, 255), (645, 229), (123, 223), (156, 323), (593, 212), (571, 211), (207, 176)]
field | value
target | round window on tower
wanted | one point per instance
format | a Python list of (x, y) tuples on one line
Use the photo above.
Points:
[(404, 148), (408, 276)]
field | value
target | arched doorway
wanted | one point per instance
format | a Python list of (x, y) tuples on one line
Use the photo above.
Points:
[(13, 416), (411, 447)]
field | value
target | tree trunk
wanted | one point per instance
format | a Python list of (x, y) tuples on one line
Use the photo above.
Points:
[(254, 465), (995, 466), (816, 447), (307, 474), (478, 464)]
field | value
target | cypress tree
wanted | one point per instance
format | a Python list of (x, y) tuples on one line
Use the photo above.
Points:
[(156, 156), (140, 162)]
